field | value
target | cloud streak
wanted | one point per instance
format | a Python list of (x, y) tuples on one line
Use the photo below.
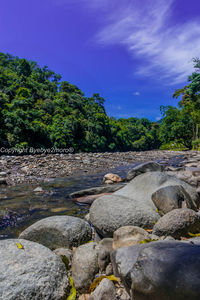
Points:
[(151, 38)]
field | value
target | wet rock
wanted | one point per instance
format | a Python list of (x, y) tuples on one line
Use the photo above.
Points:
[(171, 197), (177, 223), (159, 270), (112, 177), (38, 189), (143, 168), (33, 272), (59, 232), (104, 291), (108, 213), (85, 266), (129, 235)]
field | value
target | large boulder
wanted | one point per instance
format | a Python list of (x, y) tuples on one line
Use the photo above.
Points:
[(177, 223), (104, 291), (59, 232), (171, 197), (159, 270), (33, 272), (143, 168), (108, 213), (85, 266), (143, 186)]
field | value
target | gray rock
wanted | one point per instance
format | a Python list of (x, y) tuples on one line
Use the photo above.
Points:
[(159, 270), (108, 213), (171, 197), (85, 266), (104, 291), (97, 190), (59, 232), (33, 272), (177, 223), (143, 168), (129, 235), (144, 185)]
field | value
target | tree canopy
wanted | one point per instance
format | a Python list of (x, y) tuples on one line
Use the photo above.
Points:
[(37, 109)]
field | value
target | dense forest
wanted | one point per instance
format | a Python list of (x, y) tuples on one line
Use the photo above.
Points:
[(39, 110)]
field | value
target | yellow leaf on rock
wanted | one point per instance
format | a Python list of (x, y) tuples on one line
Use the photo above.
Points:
[(72, 296), (20, 246), (193, 234), (147, 241), (97, 281)]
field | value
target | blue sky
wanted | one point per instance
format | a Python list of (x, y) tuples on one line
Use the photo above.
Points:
[(134, 53)]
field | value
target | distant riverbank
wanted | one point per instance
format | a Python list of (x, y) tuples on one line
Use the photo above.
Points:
[(44, 167)]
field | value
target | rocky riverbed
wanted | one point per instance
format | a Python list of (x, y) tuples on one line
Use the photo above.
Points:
[(40, 168), (139, 241)]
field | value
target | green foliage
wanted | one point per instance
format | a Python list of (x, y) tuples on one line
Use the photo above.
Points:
[(37, 109), (174, 145)]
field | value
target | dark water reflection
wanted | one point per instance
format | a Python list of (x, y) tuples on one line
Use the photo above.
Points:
[(20, 206)]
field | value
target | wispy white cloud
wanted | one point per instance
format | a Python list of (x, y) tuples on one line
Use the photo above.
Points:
[(147, 32), (136, 93)]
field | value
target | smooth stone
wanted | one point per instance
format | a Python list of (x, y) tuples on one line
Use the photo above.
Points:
[(108, 213), (143, 168), (171, 197), (85, 266), (59, 232), (178, 223), (38, 189), (33, 272), (159, 270), (112, 177)]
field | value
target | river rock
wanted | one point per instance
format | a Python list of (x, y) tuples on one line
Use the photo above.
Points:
[(112, 177), (59, 232), (171, 197), (108, 213), (128, 236), (104, 291), (143, 186), (159, 270), (177, 223), (33, 272), (85, 266), (143, 168)]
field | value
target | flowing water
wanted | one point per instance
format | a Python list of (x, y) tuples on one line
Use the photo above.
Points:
[(20, 206)]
